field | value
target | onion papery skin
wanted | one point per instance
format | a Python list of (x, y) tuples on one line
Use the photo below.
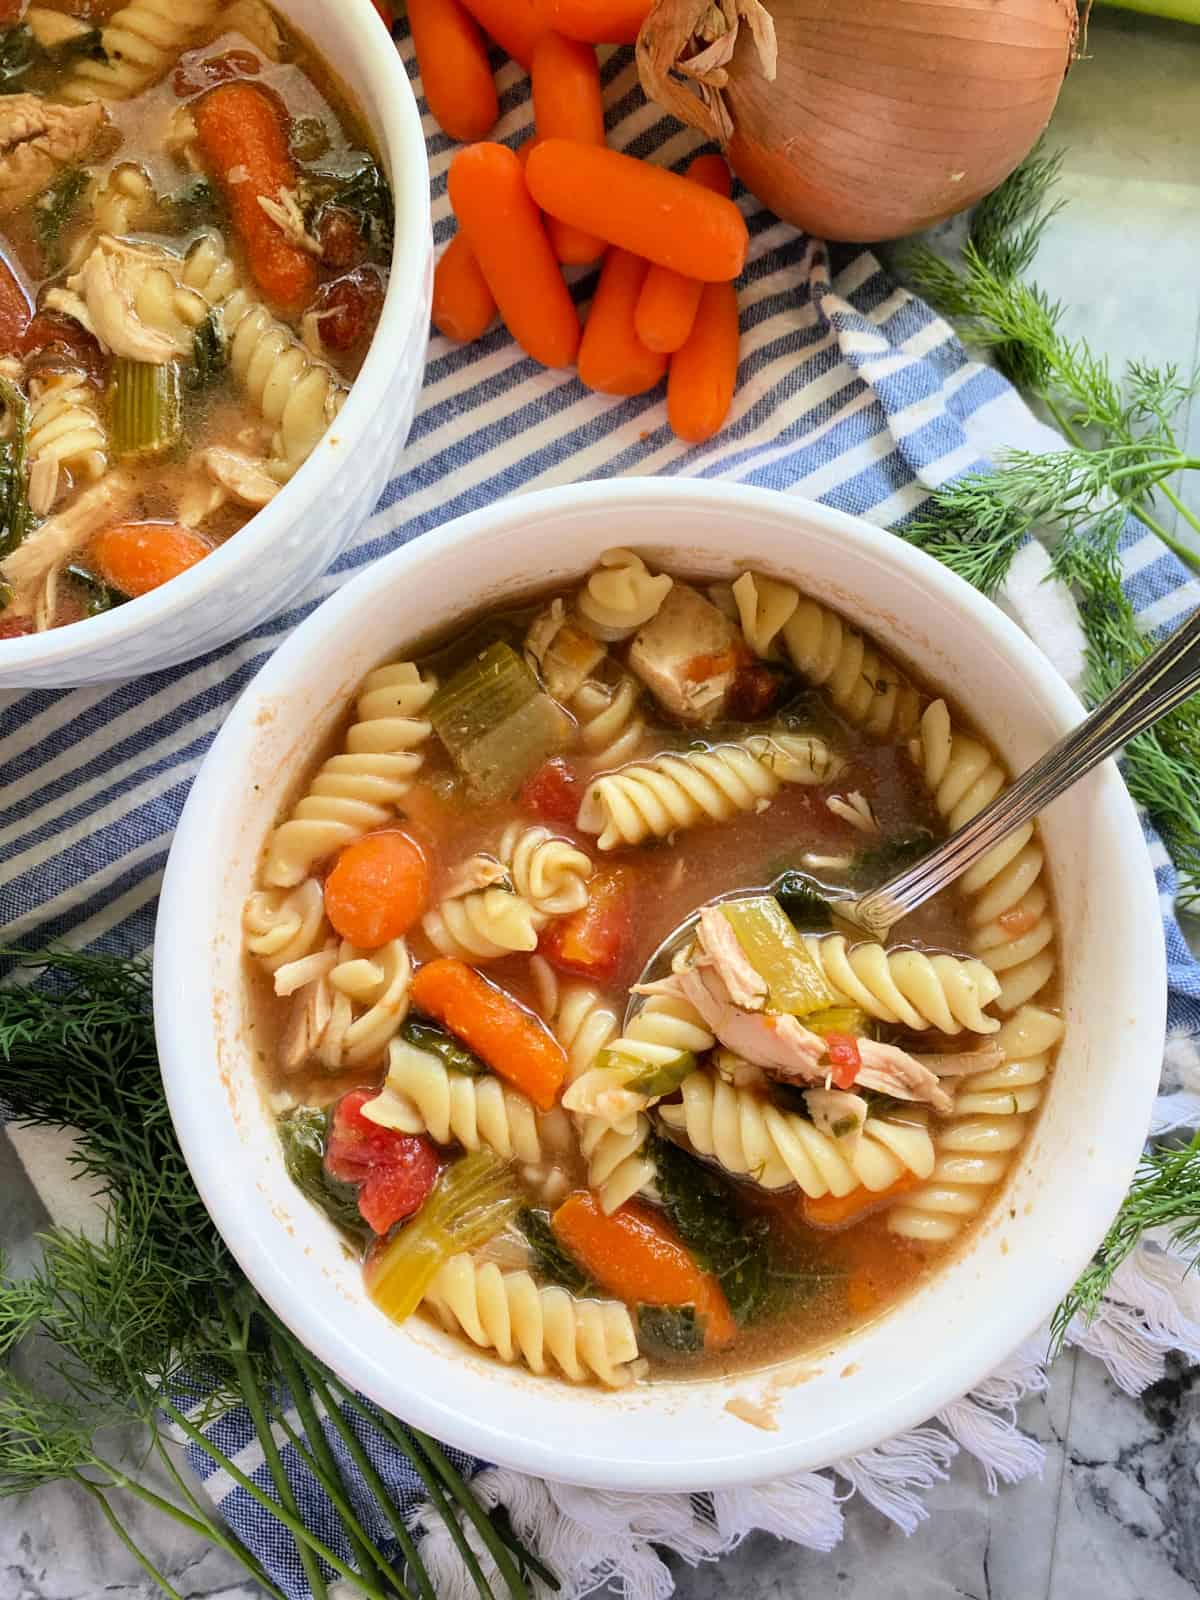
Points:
[(888, 115)]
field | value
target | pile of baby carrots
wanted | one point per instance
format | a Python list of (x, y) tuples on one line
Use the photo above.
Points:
[(669, 246)]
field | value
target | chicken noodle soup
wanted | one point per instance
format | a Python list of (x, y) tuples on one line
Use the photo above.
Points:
[(793, 1124), (194, 238)]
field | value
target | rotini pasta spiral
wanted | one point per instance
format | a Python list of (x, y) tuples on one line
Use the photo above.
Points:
[(285, 925), (369, 993), (357, 790), (976, 1145), (610, 727), (483, 925), (508, 1313), (654, 798), (549, 872), (750, 1137), (421, 1095), (1008, 906), (142, 41), (620, 595), (763, 606), (664, 1028), (65, 431), (906, 986), (126, 200)]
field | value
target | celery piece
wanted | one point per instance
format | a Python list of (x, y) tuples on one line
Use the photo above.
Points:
[(795, 984), (661, 1078), (471, 1201), (496, 723), (146, 407), (839, 1019)]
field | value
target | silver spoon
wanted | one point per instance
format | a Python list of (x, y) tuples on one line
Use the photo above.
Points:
[(1163, 680)]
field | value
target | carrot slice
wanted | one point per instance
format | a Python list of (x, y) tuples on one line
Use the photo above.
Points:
[(378, 888), (568, 104), (463, 305), (636, 1255), (511, 1040), (513, 24), (646, 209), (596, 21), (135, 557), (612, 359), (667, 305), (837, 1211), (505, 232), (241, 134), (704, 373), (455, 72)]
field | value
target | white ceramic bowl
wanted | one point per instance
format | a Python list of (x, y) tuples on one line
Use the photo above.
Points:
[(262, 569), (933, 1346)]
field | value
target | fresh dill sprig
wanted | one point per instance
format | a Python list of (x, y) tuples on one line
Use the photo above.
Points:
[(1164, 1194)]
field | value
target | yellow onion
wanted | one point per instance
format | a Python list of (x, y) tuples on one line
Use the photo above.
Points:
[(862, 119)]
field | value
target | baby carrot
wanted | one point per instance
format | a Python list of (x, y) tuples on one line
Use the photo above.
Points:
[(612, 359), (242, 138), (646, 209), (463, 305), (513, 24), (507, 1037), (377, 888), (704, 373), (836, 1211), (505, 232), (668, 302), (636, 1255), (596, 21), (454, 66), (135, 557), (567, 104)]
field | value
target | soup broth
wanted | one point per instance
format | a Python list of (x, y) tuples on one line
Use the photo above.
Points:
[(194, 247), (794, 1124)]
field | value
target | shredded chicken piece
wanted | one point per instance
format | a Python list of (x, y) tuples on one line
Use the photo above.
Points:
[(245, 479), (37, 139), (833, 1110), (745, 986), (479, 871), (893, 1071), (180, 138), (284, 211), (307, 1021), (136, 303), (63, 536)]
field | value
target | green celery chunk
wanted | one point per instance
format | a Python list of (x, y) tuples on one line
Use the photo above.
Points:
[(496, 723), (471, 1201), (839, 1019), (451, 1052), (795, 984), (669, 1331), (146, 407), (661, 1079), (303, 1134)]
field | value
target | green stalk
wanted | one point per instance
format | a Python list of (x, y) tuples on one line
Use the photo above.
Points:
[(118, 1527), (252, 1397), (1183, 510), (211, 1529), (1173, 10), (483, 1524)]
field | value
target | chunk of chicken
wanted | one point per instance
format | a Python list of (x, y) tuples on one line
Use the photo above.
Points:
[(745, 986), (37, 139), (244, 478), (561, 653), (893, 1071), (778, 1044), (838, 1113), (137, 305), (63, 536), (688, 656), (479, 871)]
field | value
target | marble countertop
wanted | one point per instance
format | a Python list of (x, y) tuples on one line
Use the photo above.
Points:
[(1116, 1514)]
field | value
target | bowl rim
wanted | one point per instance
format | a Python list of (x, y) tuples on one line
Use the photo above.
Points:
[(385, 88), (195, 1099)]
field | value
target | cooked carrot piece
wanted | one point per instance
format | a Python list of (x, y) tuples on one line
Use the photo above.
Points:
[(567, 104), (499, 1030), (505, 232), (377, 888), (643, 208), (242, 138), (455, 73), (704, 373), (836, 1211), (513, 24), (463, 305), (612, 359), (637, 1256), (596, 21), (135, 557), (668, 303)]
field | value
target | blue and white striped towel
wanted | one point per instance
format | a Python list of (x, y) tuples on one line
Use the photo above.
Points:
[(851, 392)]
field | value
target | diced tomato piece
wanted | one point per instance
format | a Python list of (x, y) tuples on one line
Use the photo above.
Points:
[(755, 690), (340, 237), (593, 941), (394, 1191), (15, 627), (60, 342), (552, 793), (355, 1142), (193, 77), (348, 308), (15, 310), (845, 1059)]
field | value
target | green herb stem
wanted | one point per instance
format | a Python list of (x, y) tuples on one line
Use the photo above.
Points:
[(209, 1528), (483, 1524), (122, 1533)]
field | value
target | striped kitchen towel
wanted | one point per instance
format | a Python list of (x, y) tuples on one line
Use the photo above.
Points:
[(851, 392)]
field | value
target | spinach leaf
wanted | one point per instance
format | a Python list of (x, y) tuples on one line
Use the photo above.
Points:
[(210, 356), (451, 1052), (15, 519), (98, 596), (18, 52), (804, 902), (364, 192), (55, 210), (550, 1260), (303, 1133), (880, 862), (196, 203), (667, 1331), (703, 1206)]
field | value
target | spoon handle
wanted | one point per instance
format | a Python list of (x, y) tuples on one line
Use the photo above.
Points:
[(1164, 679)]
